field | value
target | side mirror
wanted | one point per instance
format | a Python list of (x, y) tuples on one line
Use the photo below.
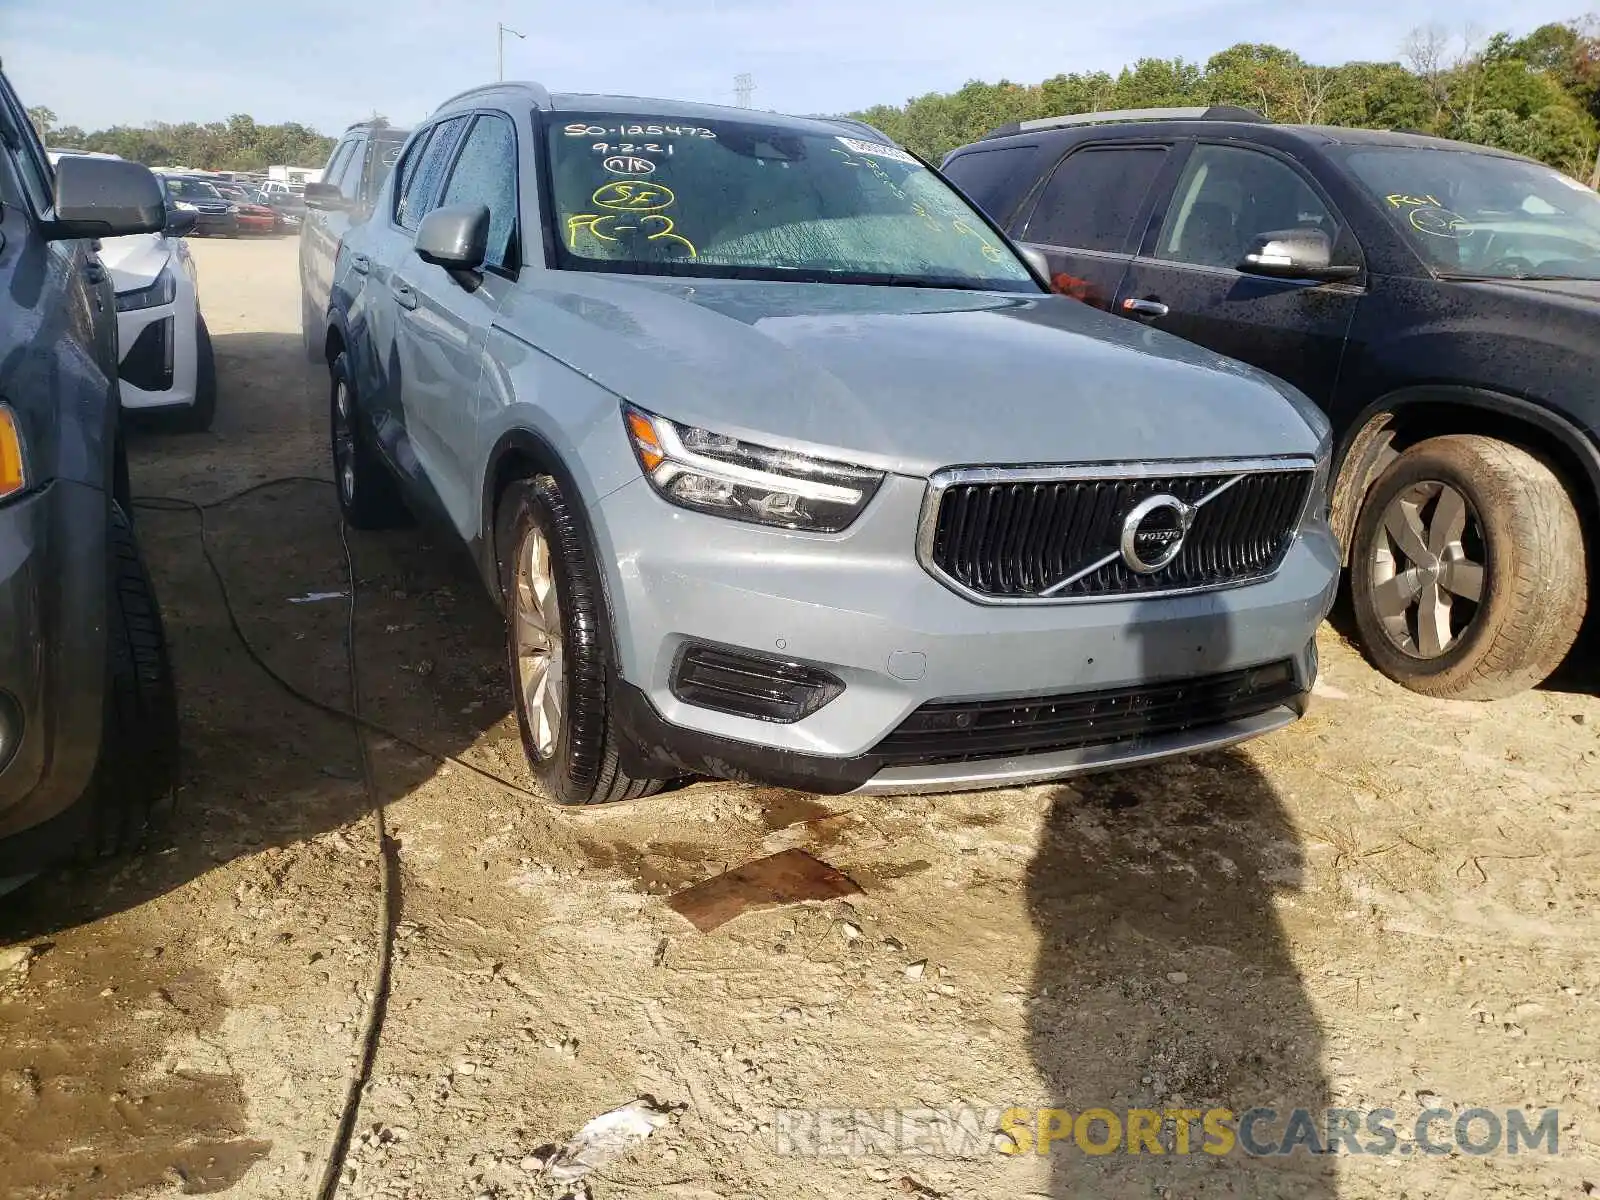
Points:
[(1294, 254), (180, 224), (105, 197), (456, 238), (1037, 261), (324, 196)]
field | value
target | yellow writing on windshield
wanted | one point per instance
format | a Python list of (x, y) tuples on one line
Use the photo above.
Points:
[(1399, 200), (631, 196), (587, 223)]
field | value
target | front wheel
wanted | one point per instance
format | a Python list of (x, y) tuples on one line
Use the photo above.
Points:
[(557, 650), (1468, 572)]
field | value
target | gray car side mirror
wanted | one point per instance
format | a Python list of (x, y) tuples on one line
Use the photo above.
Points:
[(456, 238), (1294, 254), (105, 197)]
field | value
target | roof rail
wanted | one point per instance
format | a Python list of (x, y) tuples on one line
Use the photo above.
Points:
[(541, 94), (1216, 112)]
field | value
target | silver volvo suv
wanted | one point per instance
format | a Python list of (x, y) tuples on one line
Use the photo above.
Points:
[(786, 467)]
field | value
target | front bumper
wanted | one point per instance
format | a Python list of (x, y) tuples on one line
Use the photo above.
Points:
[(216, 224), (53, 662), (859, 606), (159, 348)]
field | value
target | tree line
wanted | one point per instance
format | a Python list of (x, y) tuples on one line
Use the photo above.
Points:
[(237, 144), (1537, 95)]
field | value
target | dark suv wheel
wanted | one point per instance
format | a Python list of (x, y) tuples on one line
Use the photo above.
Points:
[(1468, 575), (137, 770), (557, 648)]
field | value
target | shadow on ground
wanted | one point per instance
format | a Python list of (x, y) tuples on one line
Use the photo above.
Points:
[(1164, 981), (261, 773)]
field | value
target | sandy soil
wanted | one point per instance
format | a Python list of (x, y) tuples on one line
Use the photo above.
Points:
[(1393, 904)]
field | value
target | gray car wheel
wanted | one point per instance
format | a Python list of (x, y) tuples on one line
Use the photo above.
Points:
[(557, 648), (1468, 572)]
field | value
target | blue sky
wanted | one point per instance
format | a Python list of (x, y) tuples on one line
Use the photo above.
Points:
[(329, 62)]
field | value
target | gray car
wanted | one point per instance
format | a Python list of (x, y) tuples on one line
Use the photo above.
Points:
[(786, 468)]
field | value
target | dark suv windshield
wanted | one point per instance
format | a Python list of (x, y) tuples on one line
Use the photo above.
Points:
[(192, 189), (659, 195), (386, 153), (1484, 216)]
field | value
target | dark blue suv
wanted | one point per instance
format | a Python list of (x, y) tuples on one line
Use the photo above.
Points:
[(88, 720), (1440, 301)]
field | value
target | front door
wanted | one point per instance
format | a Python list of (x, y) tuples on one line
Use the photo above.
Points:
[(442, 325), (1085, 219), (1187, 280)]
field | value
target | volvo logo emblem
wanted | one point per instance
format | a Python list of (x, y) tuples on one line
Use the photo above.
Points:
[(1153, 532)]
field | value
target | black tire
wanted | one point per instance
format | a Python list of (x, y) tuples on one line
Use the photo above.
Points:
[(197, 418), (1534, 578), (583, 767), (137, 771), (369, 497)]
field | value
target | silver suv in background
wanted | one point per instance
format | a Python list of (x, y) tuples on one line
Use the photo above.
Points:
[(785, 466), (357, 168)]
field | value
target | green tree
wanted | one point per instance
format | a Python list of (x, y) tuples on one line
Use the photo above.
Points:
[(43, 121)]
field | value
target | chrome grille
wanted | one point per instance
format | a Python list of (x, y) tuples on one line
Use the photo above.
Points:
[(1050, 535)]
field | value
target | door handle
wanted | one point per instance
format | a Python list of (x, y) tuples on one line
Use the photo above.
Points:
[(360, 263), (404, 296), (1144, 308)]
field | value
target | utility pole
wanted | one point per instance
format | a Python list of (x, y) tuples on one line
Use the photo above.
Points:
[(743, 85), (500, 47)]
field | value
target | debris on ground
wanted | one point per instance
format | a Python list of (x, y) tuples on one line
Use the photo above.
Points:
[(606, 1138), (789, 877)]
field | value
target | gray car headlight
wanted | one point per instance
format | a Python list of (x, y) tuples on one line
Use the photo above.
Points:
[(163, 291), (713, 473)]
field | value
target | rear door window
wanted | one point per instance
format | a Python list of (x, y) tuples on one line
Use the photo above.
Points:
[(995, 179), (1094, 197)]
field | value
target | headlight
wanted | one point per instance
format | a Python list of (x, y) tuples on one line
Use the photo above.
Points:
[(13, 459), (713, 473), (233, 208), (163, 291), (184, 206)]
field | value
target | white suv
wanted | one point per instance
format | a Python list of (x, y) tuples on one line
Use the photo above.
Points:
[(167, 364)]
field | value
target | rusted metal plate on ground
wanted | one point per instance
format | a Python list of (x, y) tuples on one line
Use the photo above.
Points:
[(789, 877)]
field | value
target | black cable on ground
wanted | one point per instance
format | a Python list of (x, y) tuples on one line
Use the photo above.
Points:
[(388, 866), (200, 508), (388, 914)]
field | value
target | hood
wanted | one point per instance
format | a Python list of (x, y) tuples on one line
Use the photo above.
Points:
[(909, 379), (134, 261)]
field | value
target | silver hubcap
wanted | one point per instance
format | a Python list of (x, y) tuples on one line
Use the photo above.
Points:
[(1427, 577), (344, 457), (536, 633)]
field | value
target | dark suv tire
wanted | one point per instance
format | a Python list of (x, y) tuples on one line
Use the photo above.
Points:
[(368, 496), (137, 771), (1468, 573), (556, 648)]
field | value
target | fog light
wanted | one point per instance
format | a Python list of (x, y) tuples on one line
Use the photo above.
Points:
[(10, 729), (747, 684)]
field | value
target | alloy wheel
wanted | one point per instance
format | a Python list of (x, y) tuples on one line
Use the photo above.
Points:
[(1428, 569), (344, 443), (536, 634)]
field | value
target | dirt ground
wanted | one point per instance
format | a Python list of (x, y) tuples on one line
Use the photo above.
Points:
[(1392, 904)]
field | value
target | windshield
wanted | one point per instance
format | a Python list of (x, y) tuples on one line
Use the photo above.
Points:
[(747, 200), (388, 153), (1486, 217), (192, 189)]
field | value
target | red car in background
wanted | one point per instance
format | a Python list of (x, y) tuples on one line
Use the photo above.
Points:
[(253, 217)]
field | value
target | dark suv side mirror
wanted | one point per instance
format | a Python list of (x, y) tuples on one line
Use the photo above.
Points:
[(456, 238), (1294, 254), (105, 197), (324, 196)]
